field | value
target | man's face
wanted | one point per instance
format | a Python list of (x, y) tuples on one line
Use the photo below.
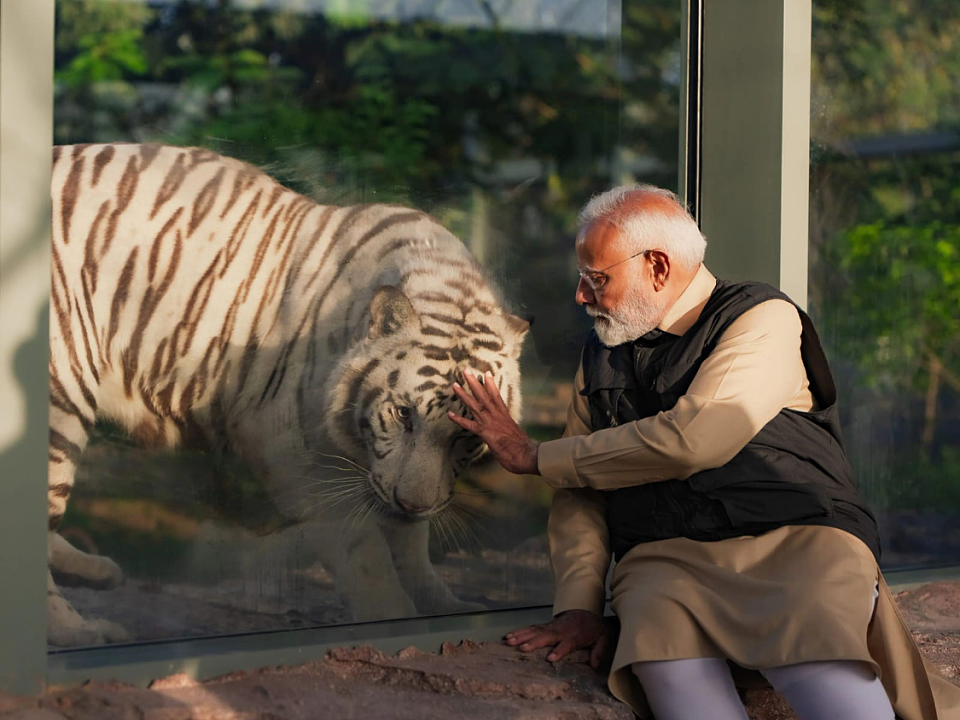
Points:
[(618, 291)]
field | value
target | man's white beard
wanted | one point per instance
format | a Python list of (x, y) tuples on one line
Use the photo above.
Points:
[(634, 317)]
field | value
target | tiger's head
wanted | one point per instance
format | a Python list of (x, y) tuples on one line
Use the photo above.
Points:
[(390, 395)]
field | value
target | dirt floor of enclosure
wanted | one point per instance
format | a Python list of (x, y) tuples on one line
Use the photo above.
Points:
[(471, 680)]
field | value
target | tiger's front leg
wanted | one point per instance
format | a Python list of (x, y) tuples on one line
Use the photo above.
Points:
[(65, 626), (362, 567), (409, 545)]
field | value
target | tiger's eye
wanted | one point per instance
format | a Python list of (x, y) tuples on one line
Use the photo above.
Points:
[(403, 412)]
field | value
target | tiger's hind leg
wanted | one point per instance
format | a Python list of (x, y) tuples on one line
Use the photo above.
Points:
[(65, 626), (72, 567)]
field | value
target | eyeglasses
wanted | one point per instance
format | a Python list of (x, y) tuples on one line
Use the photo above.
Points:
[(596, 279)]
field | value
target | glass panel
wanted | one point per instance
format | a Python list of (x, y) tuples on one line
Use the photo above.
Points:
[(885, 257), (197, 303)]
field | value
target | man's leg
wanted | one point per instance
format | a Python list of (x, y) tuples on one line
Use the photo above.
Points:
[(695, 688), (829, 690)]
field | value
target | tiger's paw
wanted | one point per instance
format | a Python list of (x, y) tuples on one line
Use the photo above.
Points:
[(73, 567), (66, 627), (96, 571)]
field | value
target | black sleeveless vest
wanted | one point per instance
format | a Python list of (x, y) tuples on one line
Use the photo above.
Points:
[(793, 472)]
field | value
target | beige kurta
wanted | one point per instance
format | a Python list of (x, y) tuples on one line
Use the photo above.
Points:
[(797, 594)]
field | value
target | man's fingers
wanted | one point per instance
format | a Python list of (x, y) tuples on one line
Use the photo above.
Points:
[(469, 400), (540, 640), (495, 397), (475, 387), (599, 650), (564, 648), (465, 423), (522, 635)]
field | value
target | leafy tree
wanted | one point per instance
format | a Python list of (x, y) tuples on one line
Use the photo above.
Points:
[(885, 214)]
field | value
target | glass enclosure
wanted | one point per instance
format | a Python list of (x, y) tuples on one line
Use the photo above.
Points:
[(499, 119), (884, 272)]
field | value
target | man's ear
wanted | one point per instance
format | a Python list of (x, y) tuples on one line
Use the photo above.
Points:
[(660, 268), (390, 312)]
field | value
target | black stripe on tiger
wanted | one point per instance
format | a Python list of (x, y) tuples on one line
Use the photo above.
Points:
[(91, 266), (353, 392), (59, 442), (68, 196), (148, 152), (193, 313), (102, 159), (437, 332), (126, 189), (204, 202), (274, 196), (239, 233), (61, 400), (492, 345), (371, 395), (152, 296), (311, 243), (349, 219), (91, 364), (171, 183), (60, 490), (120, 297)]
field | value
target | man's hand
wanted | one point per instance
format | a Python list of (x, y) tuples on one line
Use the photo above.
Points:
[(510, 445), (568, 631)]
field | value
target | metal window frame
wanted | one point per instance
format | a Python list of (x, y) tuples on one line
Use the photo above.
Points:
[(26, 126), (744, 138), (755, 123)]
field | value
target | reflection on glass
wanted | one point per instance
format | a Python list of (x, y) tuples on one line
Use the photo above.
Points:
[(885, 257), (499, 120)]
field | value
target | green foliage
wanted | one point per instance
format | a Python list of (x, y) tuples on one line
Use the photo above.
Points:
[(903, 283), (109, 56), (885, 231), (881, 66)]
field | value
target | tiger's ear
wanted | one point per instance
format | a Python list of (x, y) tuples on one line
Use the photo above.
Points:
[(519, 325), (390, 311)]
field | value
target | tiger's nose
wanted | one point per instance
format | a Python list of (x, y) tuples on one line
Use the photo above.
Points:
[(409, 506)]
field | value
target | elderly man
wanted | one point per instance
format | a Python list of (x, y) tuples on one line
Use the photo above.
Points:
[(703, 450)]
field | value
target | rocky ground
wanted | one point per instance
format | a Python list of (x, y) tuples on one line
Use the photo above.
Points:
[(471, 680)]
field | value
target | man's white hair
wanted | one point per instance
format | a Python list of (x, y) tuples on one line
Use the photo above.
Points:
[(675, 233)]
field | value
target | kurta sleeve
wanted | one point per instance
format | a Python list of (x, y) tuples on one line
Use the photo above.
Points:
[(754, 372), (577, 530)]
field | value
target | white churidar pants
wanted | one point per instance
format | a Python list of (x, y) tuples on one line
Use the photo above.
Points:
[(700, 688)]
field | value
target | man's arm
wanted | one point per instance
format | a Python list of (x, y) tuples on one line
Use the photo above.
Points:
[(580, 556), (577, 530), (753, 373)]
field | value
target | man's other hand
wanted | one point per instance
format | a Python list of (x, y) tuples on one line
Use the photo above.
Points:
[(510, 445), (568, 631)]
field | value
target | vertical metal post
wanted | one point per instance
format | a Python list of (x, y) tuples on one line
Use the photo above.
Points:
[(26, 129), (691, 36), (755, 140)]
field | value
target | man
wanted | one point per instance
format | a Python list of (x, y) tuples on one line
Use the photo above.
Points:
[(702, 449)]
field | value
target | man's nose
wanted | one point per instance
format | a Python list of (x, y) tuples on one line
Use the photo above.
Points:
[(585, 294)]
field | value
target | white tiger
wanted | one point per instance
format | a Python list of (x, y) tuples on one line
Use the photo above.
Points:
[(197, 302)]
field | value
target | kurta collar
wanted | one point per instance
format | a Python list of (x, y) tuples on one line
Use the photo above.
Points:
[(685, 311)]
